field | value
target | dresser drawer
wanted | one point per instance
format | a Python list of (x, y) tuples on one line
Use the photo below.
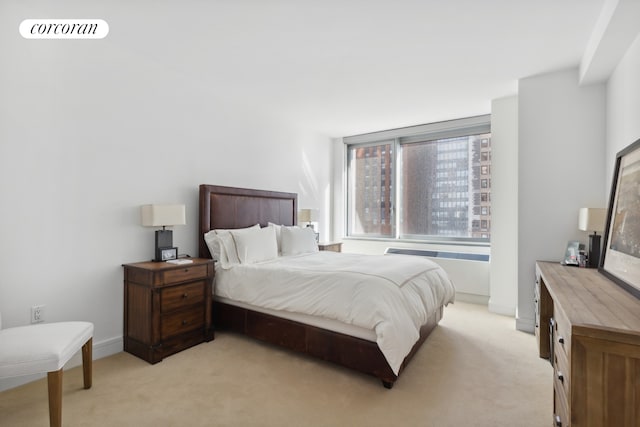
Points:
[(561, 374), (184, 274), (182, 321), (536, 304), (560, 408), (181, 296), (562, 333)]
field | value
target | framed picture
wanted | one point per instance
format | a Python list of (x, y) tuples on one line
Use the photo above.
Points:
[(621, 255), (574, 254), (167, 253)]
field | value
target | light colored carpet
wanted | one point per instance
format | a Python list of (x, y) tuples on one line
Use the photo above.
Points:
[(474, 370)]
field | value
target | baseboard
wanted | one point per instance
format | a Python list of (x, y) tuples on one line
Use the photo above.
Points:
[(100, 349), (525, 325), (472, 298)]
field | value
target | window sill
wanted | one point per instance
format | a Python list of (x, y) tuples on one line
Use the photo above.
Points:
[(439, 242)]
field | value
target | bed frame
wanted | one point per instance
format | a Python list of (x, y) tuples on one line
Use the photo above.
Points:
[(229, 207)]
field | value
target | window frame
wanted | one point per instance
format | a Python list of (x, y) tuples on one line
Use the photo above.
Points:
[(476, 125)]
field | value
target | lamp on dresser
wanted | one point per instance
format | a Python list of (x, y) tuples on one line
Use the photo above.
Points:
[(593, 219), (307, 215), (163, 216)]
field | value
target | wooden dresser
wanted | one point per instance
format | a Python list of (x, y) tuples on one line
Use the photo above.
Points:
[(167, 307), (589, 328)]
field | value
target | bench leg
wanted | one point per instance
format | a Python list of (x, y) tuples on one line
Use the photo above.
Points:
[(54, 380), (87, 363)]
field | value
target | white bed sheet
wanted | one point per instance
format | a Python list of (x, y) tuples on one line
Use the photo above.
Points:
[(390, 295)]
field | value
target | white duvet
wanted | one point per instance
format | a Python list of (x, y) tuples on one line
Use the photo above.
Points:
[(392, 295)]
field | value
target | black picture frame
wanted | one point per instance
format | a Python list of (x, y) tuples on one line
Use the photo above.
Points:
[(620, 259), (166, 254)]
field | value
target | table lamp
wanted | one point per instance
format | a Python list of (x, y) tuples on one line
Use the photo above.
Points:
[(593, 219), (163, 216), (308, 216)]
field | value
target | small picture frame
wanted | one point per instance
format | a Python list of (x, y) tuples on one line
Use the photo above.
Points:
[(166, 254), (574, 254)]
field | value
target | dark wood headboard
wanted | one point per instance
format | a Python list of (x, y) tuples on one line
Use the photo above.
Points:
[(230, 207)]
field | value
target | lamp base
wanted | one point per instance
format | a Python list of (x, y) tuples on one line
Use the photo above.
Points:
[(164, 239), (594, 250)]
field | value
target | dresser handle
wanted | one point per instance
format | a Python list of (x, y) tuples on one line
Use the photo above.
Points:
[(184, 322), (561, 340), (561, 377), (185, 295), (558, 421), (186, 270)]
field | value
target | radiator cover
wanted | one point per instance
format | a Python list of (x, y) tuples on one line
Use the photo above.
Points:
[(468, 271)]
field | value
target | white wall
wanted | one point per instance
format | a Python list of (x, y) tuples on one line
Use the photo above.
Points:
[(561, 133), (504, 205), (623, 106), (91, 130)]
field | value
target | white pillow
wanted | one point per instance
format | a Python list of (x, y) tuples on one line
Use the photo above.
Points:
[(222, 246), (212, 241), (278, 238), (296, 240), (228, 252), (256, 245)]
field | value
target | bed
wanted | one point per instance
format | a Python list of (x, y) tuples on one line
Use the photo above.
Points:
[(336, 340)]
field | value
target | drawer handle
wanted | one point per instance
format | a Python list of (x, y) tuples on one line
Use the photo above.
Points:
[(185, 295), (561, 340), (186, 270), (558, 421), (184, 322), (561, 377)]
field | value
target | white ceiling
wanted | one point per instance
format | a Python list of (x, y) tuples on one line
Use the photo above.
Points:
[(353, 66)]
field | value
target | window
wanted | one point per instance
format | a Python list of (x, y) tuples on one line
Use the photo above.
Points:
[(370, 170), (425, 182)]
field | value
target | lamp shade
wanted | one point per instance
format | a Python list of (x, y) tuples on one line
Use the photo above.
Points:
[(592, 219), (307, 215), (304, 215), (162, 215)]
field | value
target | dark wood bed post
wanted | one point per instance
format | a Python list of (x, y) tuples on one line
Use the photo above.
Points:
[(229, 208)]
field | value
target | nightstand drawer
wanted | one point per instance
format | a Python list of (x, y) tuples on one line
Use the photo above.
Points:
[(182, 321), (181, 296), (183, 274)]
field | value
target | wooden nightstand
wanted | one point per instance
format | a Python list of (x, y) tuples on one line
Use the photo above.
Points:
[(333, 246), (167, 307)]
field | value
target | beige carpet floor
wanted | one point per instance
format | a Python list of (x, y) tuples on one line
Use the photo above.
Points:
[(474, 370)]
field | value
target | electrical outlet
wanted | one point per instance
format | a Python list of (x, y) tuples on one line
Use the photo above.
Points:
[(37, 314)]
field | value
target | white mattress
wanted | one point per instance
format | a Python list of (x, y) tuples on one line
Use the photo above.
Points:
[(393, 296)]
